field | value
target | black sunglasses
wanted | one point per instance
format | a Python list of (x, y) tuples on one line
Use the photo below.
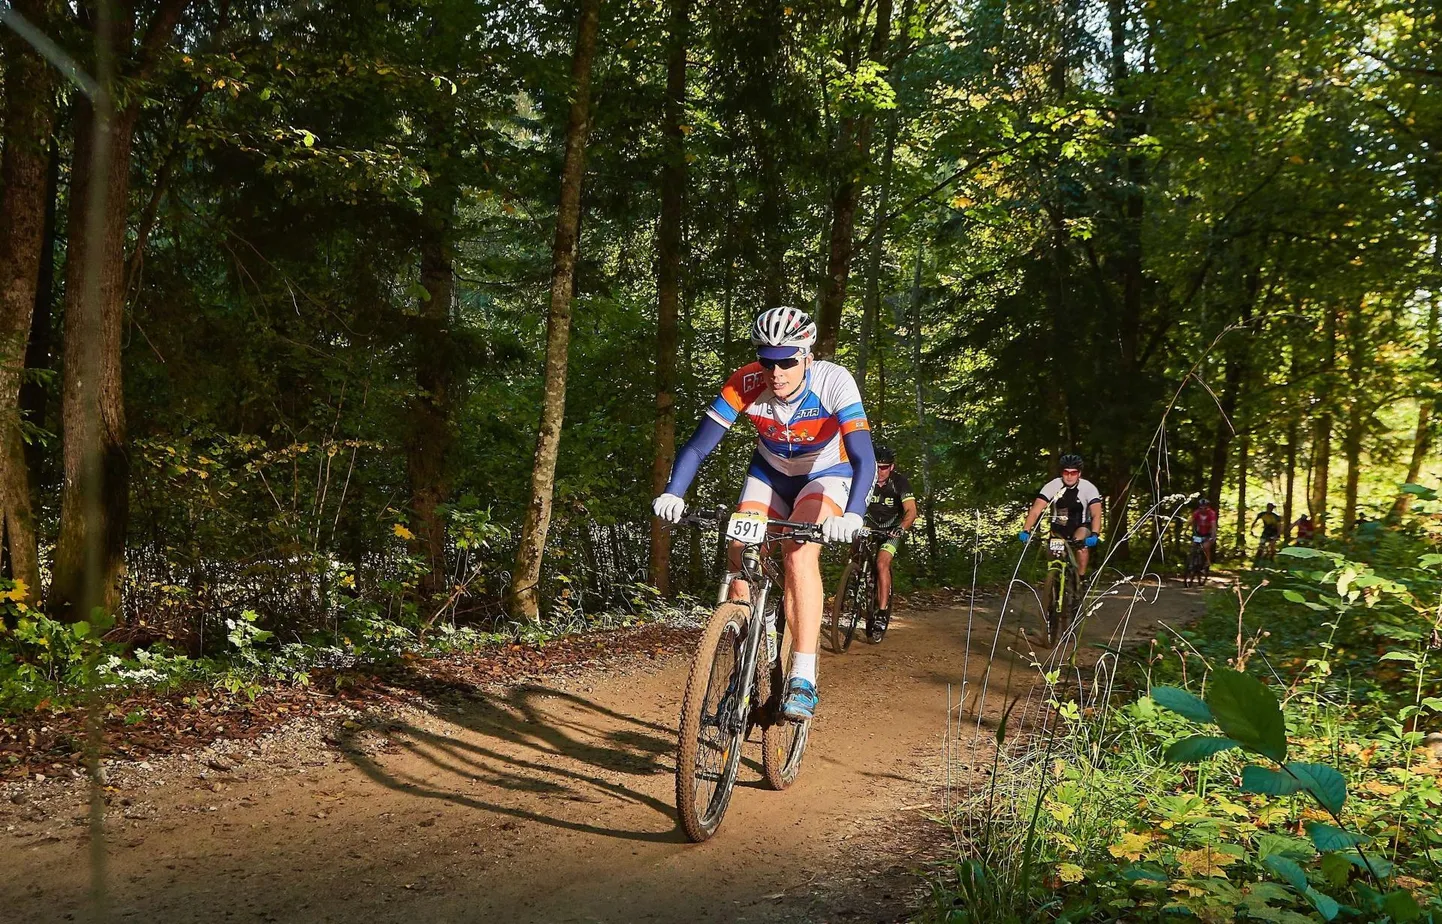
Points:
[(769, 364)]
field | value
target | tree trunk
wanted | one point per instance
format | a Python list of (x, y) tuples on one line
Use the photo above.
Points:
[(854, 149), (1222, 445), (1358, 412), (39, 353), (1291, 477), (428, 451), (29, 111), (928, 501), (1426, 407), (95, 496), (92, 407), (1244, 447), (524, 598), (668, 287), (1322, 429), (871, 304)]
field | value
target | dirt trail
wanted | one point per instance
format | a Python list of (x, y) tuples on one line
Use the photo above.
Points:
[(549, 801)]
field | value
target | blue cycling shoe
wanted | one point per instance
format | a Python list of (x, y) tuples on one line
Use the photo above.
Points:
[(800, 703)]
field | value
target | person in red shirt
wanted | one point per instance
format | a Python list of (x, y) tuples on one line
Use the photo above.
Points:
[(1304, 529), (1204, 523)]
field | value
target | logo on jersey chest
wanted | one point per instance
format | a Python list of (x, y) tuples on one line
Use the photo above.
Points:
[(808, 413), (753, 382)]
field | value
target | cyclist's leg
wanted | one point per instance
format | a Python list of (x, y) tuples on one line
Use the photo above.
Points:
[(758, 495), (884, 556), (819, 499), (1083, 554)]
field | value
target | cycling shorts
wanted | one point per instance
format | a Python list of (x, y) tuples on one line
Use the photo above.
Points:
[(1270, 533), (893, 545), (1066, 529), (776, 495)]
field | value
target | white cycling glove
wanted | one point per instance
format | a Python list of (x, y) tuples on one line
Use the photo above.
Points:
[(843, 528), (669, 507)]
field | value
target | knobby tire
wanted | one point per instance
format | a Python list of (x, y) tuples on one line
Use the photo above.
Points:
[(700, 741), (846, 609), (783, 742)]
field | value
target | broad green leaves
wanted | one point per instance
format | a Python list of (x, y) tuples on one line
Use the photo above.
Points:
[(1247, 710), (1182, 703)]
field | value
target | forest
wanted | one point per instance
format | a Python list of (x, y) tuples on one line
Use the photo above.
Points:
[(375, 326)]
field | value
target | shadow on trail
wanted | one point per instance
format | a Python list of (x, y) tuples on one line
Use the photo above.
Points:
[(546, 744)]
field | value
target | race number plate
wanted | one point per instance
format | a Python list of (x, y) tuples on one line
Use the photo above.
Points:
[(747, 527), (1056, 546), (1198, 540)]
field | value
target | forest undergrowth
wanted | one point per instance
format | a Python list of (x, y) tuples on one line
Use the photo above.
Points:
[(1278, 759)]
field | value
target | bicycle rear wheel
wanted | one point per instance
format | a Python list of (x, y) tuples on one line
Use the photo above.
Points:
[(709, 752), (846, 609), (783, 742)]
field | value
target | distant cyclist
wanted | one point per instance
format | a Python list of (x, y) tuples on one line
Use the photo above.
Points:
[(892, 506), (813, 442), (1204, 524), (1305, 528), (1076, 509), (1271, 531)]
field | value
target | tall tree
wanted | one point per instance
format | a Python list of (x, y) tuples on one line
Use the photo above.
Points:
[(92, 396), (853, 161), (669, 259), (525, 599), (29, 109)]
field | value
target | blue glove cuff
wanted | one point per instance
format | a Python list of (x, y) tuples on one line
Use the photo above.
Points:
[(1091, 541), (1024, 536)]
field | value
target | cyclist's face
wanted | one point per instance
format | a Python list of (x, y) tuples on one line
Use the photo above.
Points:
[(883, 471), (784, 381), (1070, 476)]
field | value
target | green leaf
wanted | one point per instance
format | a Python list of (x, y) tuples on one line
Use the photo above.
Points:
[(1248, 712), (1326, 906), (1372, 865), (1198, 747), (1288, 870), (1399, 656), (1330, 837), (1433, 703), (1301, 551), (1419, 490), (80, 629), (1269, 782), (1293, 596), (1182, 703), (1294, 847), (1324, 783), (1137, 872), (1401, 906), (1335, 869)]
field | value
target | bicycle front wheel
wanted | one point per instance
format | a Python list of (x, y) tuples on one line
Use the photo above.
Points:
[(783, 742), (1049, 604), (709, 751), (846, 609)]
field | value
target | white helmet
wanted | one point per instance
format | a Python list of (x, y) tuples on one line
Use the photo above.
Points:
[(788, 329)]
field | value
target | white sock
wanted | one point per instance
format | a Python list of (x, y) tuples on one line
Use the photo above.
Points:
[(803, 667)]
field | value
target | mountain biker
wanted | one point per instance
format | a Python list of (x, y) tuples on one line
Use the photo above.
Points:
[(1076, 509), (813, 442), (1204, 524), (1271, 529), (891, 506), (1305, 529)]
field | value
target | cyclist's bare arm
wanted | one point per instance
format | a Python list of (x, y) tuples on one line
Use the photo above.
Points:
[(1097, 521), (908, 513), (1034, 514)]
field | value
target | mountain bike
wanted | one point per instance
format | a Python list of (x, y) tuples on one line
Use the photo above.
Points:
[(1198, 568), (855, 600), (737, 679), (1061, 591)]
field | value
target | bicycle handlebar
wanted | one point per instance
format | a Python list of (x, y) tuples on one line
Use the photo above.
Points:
[(799, 532)]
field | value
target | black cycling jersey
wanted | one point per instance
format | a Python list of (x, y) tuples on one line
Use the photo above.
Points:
[(1071, 507), (887, 504)]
